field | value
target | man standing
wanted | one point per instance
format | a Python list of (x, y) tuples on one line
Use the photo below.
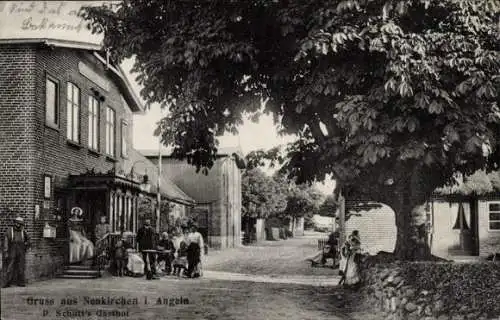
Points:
[(146, 241), (16, 243)]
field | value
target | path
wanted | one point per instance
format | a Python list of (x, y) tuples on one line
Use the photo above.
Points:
[(196, 299), (270, 280), (275, 258)]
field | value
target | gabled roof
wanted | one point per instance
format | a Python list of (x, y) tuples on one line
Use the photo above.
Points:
[(169, 190), (64, 29), (235, 152)]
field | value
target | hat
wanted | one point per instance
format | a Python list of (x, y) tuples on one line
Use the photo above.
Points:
[(126, 235), (19, 219)]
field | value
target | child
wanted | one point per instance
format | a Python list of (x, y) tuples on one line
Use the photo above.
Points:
[(120, 258), (167, 246), (180, 262)]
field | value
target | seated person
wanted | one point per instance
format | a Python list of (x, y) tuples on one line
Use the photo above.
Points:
[(135, 264), (181, 262), (166, 245), (80, 247), (330, 251)]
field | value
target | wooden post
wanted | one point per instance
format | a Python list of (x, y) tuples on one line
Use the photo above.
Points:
[(158, 194), (342, 231)]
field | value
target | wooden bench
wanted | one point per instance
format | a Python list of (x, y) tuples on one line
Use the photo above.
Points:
[(322, 243)]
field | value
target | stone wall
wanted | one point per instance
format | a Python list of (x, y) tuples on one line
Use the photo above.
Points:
[(431, 290)]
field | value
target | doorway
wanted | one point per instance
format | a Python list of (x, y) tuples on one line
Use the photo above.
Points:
[(93, 205)]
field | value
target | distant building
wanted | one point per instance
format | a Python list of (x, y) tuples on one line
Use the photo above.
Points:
[(376, 226), (217, 195), (325, 223)]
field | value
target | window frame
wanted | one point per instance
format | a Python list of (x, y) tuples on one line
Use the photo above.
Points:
[(107, 123), (489, 211), (123, 144), (71, 104), (97, 128), (57, 101)]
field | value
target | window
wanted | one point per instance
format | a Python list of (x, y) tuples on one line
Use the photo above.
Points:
[(494, 215), (110, 132), (51, 102), (73, 112), (93, 123), (124, 138)]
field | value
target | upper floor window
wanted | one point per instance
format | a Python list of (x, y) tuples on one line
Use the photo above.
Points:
[(494, 215), (124, 138), (93, 123), (110, 131), (73, 113), (51, 102)]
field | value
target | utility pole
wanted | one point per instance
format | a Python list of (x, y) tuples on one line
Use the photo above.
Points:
[(158, 194)]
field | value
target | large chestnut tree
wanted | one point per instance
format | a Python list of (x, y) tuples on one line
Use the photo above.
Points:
[(390, 97)]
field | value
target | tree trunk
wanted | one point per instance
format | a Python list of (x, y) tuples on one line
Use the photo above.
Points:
[(411, 221), (406, 233)]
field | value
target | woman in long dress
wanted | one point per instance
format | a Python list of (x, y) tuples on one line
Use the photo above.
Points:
[(80, 248), (353, 252), (195, 252)]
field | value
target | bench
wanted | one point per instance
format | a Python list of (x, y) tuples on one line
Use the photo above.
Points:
[(322, 243)]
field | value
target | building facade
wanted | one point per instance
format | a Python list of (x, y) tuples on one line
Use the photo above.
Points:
[(217, 194), (376, 226), (465, 226), (65, 145)]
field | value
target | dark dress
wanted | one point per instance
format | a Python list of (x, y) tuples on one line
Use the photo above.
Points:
[(146, 240), (193, 257)]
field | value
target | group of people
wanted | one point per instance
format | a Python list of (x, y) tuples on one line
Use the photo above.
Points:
[(178, 250), (348, 257)]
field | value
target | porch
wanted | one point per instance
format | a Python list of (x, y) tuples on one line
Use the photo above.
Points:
[(96, 195)]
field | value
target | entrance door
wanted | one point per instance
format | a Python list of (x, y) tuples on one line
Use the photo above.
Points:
[(93, 205), (465, 226), (93, 208)]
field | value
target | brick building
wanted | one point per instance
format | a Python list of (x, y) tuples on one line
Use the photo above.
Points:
[(66, 138)]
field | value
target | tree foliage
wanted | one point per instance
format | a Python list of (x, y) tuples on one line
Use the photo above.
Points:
[(262, 196), (391, 97), (479, 183), (329, 206), (302, 200)]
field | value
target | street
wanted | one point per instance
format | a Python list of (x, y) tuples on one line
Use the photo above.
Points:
[(265, 281)]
